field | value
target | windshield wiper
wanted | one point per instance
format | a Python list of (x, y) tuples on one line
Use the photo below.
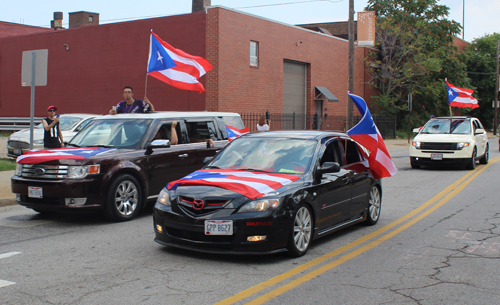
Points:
[(73, 145), (253, 170), (102, 145), (213, 167)]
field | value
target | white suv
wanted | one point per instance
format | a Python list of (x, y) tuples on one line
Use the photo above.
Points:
[(450, 140)]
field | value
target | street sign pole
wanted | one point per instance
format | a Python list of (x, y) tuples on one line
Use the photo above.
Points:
[(32, 103)]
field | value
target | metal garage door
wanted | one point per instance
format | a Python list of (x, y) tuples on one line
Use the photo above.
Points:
[(294, 93)]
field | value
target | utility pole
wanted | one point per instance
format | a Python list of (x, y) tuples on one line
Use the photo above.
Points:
[(350, 104), (495, 120)]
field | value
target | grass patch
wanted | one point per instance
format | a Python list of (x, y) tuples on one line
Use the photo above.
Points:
[(7, 164), (6, 133)]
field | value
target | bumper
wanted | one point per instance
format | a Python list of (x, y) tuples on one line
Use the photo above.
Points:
[(16, 152), (54, 193), (449, 157), (185, 232)]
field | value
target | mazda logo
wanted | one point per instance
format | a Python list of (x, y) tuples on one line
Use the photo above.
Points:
[(198, 204), (39, 171)]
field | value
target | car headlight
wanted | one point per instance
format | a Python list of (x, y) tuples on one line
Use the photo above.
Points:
[(165, 197), (38, 142), (78, 172), (259, 205), (461, 146), (19, 169), (416, 144)]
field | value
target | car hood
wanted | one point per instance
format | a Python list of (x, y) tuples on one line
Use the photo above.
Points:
[(69, 156), (446, 138), (223, 193)]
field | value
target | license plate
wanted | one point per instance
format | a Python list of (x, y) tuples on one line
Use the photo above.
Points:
[(18, 151), (35, 192), (218, 227), (436, 156)]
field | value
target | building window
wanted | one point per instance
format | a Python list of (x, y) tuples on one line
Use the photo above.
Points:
[(91, 18), (254, 53)]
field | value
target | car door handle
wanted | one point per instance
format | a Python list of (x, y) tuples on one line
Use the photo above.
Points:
[(183, 156)]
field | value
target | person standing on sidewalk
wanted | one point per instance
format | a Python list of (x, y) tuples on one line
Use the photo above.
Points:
[(52, 137)]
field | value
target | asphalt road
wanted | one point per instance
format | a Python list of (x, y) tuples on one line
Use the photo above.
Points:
[(437, 242)]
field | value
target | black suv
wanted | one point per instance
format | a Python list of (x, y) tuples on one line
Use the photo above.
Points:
[(119, 162)]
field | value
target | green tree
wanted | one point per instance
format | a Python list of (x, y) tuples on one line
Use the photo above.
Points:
[(481, 65), (415, 53)]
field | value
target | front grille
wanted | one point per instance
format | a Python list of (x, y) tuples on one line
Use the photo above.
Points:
[(186, 204), (18, 144), (44, 171), (199, 236), (438, 146)]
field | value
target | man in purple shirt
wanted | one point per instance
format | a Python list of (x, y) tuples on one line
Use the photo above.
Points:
[(131, 105)]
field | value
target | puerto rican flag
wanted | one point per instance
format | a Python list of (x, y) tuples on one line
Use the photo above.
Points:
[(233, 133), (249, 184), (39, 156), (366, 134), (459, 97), (176, 67)]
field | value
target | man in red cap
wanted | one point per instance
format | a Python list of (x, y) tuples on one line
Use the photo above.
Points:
[(52, 137)]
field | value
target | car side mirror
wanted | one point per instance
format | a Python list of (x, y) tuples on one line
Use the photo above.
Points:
[(207, 159), (327, 167), (479, 131), (416, 130), (159, 144)]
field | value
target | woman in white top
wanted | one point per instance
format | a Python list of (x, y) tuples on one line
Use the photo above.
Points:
[(263, 124)]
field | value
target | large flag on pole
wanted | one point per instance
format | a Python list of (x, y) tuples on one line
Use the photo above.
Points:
[(176, 67), (366, 134), (459, 97)]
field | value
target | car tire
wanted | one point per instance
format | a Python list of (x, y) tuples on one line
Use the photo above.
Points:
[(374, 206), (124, 198), (472, 163), (414, 164), (486, 157), (301, 231)]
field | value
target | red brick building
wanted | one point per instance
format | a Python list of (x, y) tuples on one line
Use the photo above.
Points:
[(259, 65)]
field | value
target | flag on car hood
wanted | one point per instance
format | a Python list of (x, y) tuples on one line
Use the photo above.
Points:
[(176, 67), (39, 156), (249, 184), (233, 133), (459, 97), (366, 134)]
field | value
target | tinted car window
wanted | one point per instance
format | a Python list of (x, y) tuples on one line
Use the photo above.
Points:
[(113, 133)]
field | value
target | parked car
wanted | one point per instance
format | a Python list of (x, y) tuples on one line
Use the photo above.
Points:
[(268, 193), (454, 140), (119, 162), (19, 142)]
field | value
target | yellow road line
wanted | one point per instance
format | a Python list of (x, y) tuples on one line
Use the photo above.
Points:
[(280, 290), (286, 275)]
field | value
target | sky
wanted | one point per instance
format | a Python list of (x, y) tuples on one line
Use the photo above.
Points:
[(480, 16)]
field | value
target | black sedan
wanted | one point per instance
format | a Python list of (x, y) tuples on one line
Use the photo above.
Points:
[(270, 192)]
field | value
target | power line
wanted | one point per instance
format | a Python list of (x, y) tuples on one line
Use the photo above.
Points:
[(288, 3)]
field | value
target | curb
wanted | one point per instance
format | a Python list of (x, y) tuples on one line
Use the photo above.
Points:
[(7, 202)]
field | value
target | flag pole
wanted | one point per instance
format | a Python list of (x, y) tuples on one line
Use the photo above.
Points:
[(146, 86)]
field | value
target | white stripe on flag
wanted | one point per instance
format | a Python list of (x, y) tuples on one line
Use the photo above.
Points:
[(259, 176), (179, 76), (259, 187), (185, 60)]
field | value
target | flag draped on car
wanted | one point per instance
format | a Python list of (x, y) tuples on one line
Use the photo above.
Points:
[(459, 97), (176, 67), (250, 184), (233, 133), (39, 156), (367, 134)]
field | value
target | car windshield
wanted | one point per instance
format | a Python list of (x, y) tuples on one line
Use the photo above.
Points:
[(121, 133), (68, 122), (273, 155), (442, 126)]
